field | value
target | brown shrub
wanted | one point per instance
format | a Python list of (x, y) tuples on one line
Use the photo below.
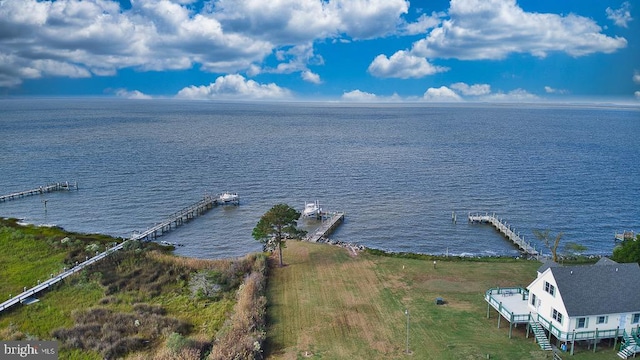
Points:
[(114, 334), (244, 334)]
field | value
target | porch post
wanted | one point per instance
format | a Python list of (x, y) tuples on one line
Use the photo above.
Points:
[(528, 324), (615, 342), (595, 341), (488, 306), (573, 341), (499, 313), (510, 324)]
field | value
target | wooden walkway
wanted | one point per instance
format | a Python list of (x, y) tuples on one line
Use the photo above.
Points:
[(13, 300), (506, 231), (176, 219), (40, 190), (327, 226)]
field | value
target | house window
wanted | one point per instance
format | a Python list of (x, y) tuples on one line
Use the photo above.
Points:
[(636, 318), (602, 319), (549, 288), (533, 299), (581, 323), (557, 316)]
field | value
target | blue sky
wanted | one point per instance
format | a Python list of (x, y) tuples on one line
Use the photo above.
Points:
[(334, 50)]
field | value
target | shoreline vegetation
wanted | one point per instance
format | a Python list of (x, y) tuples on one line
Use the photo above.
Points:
[(139, 303), (329, 302)]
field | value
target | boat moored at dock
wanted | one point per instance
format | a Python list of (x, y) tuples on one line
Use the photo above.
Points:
[(312, 209), (229, 198)]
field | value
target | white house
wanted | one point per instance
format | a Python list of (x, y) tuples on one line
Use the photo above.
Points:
[(574, 303)]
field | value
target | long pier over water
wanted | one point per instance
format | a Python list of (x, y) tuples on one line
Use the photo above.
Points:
[(40, 190), (506, 231), (178, 218)]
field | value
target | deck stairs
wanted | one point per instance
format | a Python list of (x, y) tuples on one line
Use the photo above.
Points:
[(629, 348), (541, 336)]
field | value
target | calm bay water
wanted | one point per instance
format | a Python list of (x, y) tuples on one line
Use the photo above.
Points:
[(398, 171)]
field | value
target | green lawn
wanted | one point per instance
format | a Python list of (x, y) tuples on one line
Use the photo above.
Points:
[(328, 304)]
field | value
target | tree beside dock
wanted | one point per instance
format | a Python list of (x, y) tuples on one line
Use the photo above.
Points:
[(276, 225), (551, 243)]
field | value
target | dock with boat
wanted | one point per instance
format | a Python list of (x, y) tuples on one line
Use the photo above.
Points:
[(506, 230), (625, 235), (180, 217), (59, 186), (330, 221)]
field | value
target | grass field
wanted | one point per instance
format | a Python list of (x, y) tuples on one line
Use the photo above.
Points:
[(328, 304)]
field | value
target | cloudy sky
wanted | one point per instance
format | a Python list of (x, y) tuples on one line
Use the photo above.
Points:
[(345, 50)]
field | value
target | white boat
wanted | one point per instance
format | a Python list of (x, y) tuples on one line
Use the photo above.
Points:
[(228, 197), (312, 209)]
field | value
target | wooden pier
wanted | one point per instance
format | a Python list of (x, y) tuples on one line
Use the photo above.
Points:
[(506, 231), (40, 190), (178, 218), (328, 225)]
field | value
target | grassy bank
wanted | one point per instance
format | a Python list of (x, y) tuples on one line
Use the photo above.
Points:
[(139, 303), (328, 304)]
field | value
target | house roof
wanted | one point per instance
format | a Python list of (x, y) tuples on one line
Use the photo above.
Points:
[(547, 264), (605, 261), (603, 288)]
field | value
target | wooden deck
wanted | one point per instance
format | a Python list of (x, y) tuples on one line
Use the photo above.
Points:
[(506, 231), (327, 227), (40, 190)]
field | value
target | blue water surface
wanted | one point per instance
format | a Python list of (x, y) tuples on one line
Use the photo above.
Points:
[(399, 171)]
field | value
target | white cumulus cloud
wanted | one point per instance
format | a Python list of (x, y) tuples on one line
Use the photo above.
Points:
[(441, 94), (297, 21), (234, 86), (517, 95), (550, 90), (403, 65), (636, 77), (357, 95), (494, 29), (99, 37), (472, 90), (424, 23), (311, 77), (622, 16), (637, 95), (135, 94)]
